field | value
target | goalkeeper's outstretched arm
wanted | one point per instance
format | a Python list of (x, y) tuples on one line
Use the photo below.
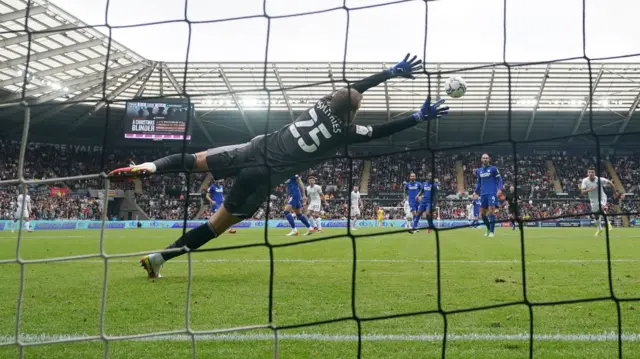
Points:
[(428, 111), (347, 100), (405, 69)]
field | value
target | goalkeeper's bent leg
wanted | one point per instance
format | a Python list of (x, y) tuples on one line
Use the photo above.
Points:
[(221, 159), (219, 222)]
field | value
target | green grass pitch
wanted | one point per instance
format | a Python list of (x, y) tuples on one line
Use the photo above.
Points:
[(395, 274)]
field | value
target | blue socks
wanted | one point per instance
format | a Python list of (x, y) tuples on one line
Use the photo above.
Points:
[(492, 222), (430, 220), (289, 218), (302, 218), (416, 219), (485, 220)]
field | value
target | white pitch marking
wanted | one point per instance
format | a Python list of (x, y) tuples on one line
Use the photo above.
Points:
[(416, 261), (580, 337), (30, 236)]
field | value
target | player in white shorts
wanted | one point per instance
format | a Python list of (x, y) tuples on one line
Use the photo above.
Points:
[(316, 198), (470, 212), (408, 215), (589, 187), (355, 206), (23, 210)]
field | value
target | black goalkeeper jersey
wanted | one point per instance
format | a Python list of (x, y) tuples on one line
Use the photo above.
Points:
[(315, 134)]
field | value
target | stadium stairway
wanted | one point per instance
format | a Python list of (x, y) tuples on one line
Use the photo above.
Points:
[(614, 176), (131, 205), (554, 175), (138, 185), (366, 172), (460, 177), (203, 186), (616, 182)]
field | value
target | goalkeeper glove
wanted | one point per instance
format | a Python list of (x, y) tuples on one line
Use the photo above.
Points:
[(429, 112), (406, 67)]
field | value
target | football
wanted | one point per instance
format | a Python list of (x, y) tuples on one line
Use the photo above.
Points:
[(455, 86)]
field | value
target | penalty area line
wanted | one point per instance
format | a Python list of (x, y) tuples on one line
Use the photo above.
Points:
[(580, 337), (404, 261)]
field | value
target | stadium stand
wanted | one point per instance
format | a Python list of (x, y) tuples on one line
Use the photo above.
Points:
[(162, 196)]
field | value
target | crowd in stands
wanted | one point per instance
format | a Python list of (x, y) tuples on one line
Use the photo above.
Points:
[(163, 196), (533, 180), (628, 170)]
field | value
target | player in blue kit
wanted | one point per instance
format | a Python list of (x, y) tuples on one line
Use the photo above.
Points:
[(427, 196), (411, 191), (476, 212), (489, 188), (296, 191), (215, 195)]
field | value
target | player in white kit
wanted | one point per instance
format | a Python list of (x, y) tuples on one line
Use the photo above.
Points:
[(355, 206), (589, 187), (408, 215), (314, 193), (23, 210)]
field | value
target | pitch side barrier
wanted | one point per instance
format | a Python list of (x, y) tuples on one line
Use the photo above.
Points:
[(163, 224)]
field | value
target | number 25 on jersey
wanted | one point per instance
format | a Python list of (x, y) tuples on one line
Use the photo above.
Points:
[(313, 133)]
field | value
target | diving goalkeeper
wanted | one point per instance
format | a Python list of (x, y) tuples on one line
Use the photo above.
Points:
[(272, 158)]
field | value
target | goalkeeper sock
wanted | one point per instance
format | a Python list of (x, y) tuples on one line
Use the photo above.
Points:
[(302, 218), (289, 218), (430, 220), (193, 239), (485, 220), (173, 163)]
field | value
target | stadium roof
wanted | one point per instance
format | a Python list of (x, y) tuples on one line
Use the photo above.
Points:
[(67, 68)]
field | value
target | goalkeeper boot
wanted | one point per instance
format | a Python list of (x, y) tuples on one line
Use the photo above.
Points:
[(134, 171), (152, 265)]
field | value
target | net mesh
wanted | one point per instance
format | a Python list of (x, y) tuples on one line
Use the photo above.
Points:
[(269, 324)]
